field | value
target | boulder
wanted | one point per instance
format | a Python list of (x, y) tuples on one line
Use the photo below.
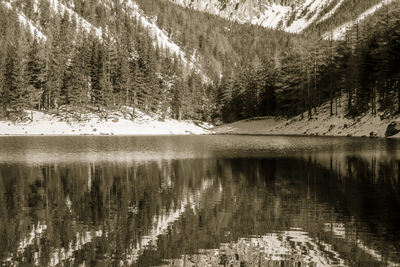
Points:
[(393, 128)]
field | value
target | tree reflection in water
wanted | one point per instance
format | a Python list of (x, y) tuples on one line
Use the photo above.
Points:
[(311, 208)]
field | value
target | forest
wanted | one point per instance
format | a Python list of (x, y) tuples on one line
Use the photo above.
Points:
[(74, 69), (245, 71)]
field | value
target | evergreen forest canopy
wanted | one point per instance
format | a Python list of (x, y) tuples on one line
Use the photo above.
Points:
[(250, 71)]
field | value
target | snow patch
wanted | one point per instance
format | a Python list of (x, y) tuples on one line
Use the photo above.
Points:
[(60, 8), (331, 12), (302, 22), (338, 33), (160, 37), (142, 124), (273, 15), (269, 15), (294, 19), (321, 123)]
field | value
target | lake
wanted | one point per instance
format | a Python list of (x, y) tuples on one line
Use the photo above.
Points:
[(199, 201)]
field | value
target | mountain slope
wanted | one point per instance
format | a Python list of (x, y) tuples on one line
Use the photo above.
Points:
[(59, 8), (159, 36), (291, 16), (103, 54), (338, 32), (150, 54)]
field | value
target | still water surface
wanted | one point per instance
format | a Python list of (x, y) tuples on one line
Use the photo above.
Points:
[(199, 201)]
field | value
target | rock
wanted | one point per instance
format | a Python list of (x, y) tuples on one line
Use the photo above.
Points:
[(393, 128), (115, 120)]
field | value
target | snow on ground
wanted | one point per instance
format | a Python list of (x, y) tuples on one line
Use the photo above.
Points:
[(332, 11), (273, 15), (269, 15), (302, 20), (118, 124), (250, 126), (325, 124), (294, 19), (338, 33), (60, 8), (320, 124), (160, 37), (46, 124)]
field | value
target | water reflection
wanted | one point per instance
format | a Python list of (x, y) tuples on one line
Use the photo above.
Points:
[(291, 248), (225, 204)]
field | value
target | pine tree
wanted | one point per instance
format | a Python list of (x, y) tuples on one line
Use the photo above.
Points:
[(35, 74), (96, 73), (224, 96), (44, 10), (13, 90), (78, 90), (268, 76)]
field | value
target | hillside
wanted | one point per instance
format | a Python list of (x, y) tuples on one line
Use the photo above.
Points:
[(158, 57), (322, 123), (103, 54)]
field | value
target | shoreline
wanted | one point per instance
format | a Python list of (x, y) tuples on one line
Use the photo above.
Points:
[(49, 125), (320, 124), (194, 134), (303, 128)]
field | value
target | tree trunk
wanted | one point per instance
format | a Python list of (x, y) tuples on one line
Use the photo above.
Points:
[(398, 96), (308, 96), (336, 105), (350, 96)]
